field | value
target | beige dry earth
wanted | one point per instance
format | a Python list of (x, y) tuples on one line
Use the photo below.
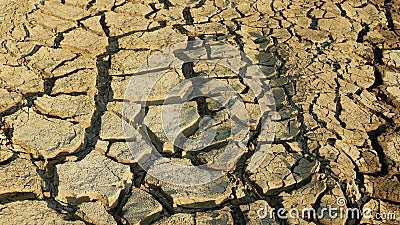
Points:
[(334, 69)]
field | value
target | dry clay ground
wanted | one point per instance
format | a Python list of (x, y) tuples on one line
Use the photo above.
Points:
[(334, 69)]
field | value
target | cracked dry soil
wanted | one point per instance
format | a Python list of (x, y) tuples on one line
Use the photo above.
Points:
[(334, 69)]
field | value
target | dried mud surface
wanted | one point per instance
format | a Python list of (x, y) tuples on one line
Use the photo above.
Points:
[(334, 69)]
